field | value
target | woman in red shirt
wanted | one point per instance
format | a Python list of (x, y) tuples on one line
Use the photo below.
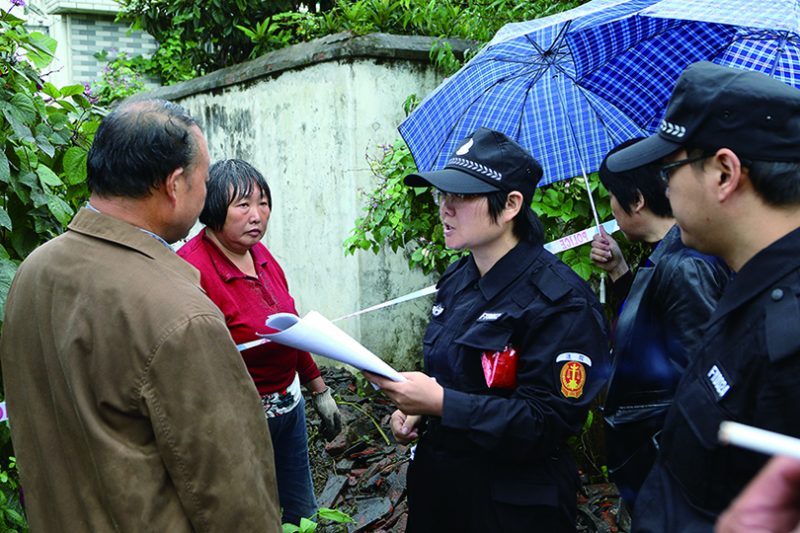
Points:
[(247, 284)]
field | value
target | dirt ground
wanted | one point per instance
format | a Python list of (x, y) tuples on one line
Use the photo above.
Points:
[(362, 472)]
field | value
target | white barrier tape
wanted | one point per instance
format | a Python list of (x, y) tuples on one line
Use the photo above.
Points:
[(582, 237), (555, 247), (252, 344), (410, 296), (3, 412)]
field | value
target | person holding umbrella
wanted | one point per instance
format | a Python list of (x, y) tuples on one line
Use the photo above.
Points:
[(514, 354), (728, 146), (666, 305)]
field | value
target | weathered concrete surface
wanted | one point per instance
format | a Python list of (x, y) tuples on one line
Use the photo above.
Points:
[(307, 117)]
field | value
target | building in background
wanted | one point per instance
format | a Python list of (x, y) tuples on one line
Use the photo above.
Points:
[(82, 28)]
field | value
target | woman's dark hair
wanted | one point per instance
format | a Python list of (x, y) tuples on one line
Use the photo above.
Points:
[(230, 180), (527, 226), (627, 186), (137, 146)]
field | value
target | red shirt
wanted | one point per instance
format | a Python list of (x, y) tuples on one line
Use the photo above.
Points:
[(246, 302)]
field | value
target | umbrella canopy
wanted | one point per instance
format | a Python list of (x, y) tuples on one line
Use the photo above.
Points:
[(778, 15), (571, 86)]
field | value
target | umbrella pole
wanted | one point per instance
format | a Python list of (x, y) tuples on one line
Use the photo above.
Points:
[(602, 288)]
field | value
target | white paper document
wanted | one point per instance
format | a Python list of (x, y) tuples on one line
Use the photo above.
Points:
[(315, 333)]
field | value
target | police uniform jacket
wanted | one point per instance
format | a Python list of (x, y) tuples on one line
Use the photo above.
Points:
[(533, 302), (747, 370)]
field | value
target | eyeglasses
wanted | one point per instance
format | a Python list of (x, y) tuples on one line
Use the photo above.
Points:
[(665, 170), (452, 197)]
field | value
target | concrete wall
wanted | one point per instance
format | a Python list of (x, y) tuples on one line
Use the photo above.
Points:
[(307, 117)]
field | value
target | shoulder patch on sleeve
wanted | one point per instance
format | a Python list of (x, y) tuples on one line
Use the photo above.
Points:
[(781, 323), (552, 285), (573, 378)]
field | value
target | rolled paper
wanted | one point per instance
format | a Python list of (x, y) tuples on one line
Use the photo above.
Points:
[(315, 333)]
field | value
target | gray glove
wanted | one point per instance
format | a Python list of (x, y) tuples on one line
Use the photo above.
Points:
[(328, 413)]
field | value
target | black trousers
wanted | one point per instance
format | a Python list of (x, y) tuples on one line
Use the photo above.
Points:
[(459, 492)]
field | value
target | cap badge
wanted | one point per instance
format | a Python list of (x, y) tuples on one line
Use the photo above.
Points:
[(465, 147), (675, 130), (437, 310)]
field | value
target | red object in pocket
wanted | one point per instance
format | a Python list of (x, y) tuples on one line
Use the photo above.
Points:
[(500, 368)]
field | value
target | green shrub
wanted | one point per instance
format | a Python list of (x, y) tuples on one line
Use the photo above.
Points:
[(121, 77), (12, 516), (195, 40), (45, 133), (307, 525)]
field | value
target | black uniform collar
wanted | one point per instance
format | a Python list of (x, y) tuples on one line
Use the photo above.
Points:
[(504, 272), (757, 275)]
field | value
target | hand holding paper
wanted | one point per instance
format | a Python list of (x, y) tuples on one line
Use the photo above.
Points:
[(418, 394), (315, 333)]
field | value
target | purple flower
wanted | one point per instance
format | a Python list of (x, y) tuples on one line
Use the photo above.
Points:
[(87, 92), (20, 3)]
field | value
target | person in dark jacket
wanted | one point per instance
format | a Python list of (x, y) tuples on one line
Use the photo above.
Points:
[(514, 354), (728, 145), (666, 305)]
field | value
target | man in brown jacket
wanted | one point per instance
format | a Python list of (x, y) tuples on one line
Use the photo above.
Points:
[(130, 407)]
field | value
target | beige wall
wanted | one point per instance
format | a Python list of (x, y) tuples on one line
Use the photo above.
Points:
[(309, 130)]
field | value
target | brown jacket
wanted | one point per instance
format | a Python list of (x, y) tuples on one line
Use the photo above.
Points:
[(130, 407)]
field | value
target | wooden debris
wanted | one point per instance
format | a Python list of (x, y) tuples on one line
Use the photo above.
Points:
[(360, 474)]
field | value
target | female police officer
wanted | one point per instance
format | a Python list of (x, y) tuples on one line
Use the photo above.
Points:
[(515, 351)]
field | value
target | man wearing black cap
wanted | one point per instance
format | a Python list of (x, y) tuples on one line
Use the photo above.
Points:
[(661, 314), (730, 149), (514, 353)]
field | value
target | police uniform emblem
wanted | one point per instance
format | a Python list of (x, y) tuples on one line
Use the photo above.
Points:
[(437, 310), (573, 373)]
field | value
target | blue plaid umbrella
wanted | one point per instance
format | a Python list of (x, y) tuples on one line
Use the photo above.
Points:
[(571, 86)]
